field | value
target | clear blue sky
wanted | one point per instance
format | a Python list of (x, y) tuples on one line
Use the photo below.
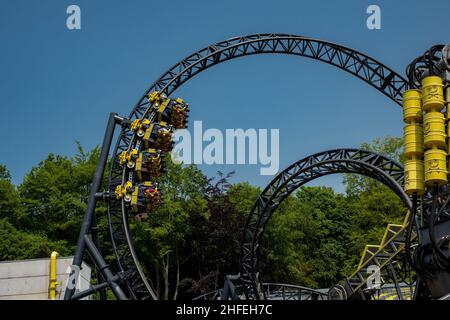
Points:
[(58, 86)]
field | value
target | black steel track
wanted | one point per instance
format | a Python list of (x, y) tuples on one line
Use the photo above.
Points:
[(312, 167), (276, 291), (359, 65)]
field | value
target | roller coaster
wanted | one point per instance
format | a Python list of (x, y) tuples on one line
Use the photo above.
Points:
[(413, 258)]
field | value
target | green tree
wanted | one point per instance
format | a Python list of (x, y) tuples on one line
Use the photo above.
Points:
[(54, 197), (304, 239), (214, 243), (15, 245), (192, 241), (161, 238), (10, 202), (390, 147), (315, 237), (372, 204), (4, 173)]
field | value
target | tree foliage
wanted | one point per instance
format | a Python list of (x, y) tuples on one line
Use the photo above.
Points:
[(189, 244)]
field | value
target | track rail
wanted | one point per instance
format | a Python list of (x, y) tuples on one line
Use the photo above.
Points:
[(363, 162), (369, 70), (275, 291)]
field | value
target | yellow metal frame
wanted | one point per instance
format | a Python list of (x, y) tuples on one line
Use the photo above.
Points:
[(53, 283), (391, 230), (369, 251), (380, 250)]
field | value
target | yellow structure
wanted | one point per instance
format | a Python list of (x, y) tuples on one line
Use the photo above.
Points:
[(139, 126), (435, 167), (128, 158), (447, 116), (124, 191), (413, 136), (414, 176), (434, 131), (413, 142), (425, 135), (412, 110), (447, 96), (53, 282), (432, 94), (383, 255)]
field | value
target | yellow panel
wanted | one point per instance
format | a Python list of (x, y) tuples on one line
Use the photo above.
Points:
[(414, 176), (413, 139), (406, 220), (412, 109), (391, 231), (435, 167), (432, 94), (447, 98), (147, 135), (369, 252), (134, 199), (434, 130), (139, 167)]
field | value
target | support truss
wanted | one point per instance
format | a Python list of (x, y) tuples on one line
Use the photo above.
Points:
[(318, 165), (376, 74), (274, 291)]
